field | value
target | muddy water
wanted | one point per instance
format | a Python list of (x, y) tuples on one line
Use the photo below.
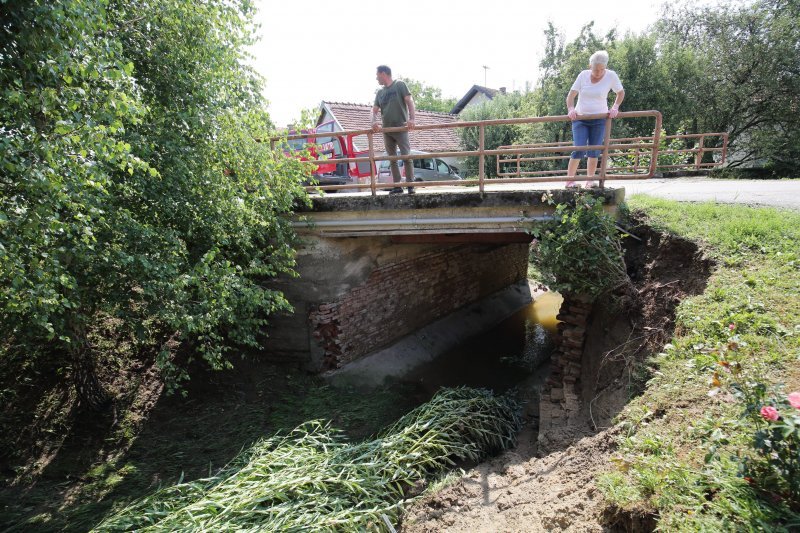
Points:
[(499, 359)]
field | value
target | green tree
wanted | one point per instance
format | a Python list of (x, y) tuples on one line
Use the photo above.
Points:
[(133, 187), (748, 75), (499, 107), (428, 97)]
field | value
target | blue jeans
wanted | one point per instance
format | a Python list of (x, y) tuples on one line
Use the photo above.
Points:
[(586, 133)]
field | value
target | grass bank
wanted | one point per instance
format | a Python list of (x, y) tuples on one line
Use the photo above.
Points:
[(698, 453)]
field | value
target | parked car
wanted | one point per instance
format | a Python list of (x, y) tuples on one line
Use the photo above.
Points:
[(426, 169)]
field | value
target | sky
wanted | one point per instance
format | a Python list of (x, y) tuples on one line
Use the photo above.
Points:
[(312, 51)]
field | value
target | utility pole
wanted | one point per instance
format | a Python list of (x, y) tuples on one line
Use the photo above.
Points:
[(485, 68)]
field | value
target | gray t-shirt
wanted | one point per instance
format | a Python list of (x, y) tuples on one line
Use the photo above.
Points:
[(392, 102)]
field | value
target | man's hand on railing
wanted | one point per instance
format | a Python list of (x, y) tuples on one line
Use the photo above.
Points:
[(376, 126), (410, 124)]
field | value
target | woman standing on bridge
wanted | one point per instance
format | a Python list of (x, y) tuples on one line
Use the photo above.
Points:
[(591, 87)]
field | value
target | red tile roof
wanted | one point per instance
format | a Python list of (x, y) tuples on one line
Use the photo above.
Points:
[(359, 117)]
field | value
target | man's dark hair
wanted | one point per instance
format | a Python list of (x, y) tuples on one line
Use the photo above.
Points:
[(385, 69)]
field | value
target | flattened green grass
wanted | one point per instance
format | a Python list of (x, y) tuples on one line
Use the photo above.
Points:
[(312, 479), (679, 455), (193, 439)]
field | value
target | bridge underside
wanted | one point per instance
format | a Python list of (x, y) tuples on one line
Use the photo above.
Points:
[(376, 269)]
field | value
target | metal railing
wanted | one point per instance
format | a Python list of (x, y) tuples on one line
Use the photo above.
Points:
[(646, 149), (629, 151)]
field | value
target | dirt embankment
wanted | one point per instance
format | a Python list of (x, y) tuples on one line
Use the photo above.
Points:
[(547, 484)]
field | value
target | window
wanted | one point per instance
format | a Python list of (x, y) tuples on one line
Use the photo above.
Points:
[(442, 167), (295, 145), (384, 165), (329, 146)]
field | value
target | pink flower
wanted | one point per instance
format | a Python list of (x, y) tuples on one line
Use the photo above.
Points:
[(794, 400), (732, 326), (769, 413)]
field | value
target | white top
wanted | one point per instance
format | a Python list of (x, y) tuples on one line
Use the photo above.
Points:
[(593, 97)]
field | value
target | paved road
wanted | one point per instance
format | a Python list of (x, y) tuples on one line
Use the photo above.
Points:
[(776, 193)]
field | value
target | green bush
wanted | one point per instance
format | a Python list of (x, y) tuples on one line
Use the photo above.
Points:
[(133, 187), (579, 251)]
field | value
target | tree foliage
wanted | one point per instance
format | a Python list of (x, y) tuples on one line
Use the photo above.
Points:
[(428, 97), (746, 65), (733, 67), (579, 251), (133, 187), (501, 106)]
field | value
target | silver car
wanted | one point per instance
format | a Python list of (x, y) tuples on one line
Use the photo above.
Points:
[(427, 169)]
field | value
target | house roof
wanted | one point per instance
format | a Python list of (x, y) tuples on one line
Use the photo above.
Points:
[(475, 89), (359, 117)]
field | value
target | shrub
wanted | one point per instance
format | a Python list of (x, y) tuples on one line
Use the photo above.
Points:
[(579, 251)]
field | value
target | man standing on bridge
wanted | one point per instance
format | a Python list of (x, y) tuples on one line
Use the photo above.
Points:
[(397, 109)]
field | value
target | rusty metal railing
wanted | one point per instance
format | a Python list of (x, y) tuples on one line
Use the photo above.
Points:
[(629, 151), (481, 152)]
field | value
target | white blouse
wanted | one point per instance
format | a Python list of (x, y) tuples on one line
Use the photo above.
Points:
[(593, 97)]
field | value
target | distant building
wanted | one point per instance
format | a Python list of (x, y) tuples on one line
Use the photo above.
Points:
[(476, 95)]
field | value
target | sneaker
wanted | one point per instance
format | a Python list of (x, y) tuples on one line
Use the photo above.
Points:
[(412, 190), (396, 190)]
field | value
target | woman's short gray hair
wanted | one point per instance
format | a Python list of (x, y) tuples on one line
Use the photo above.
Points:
[(599, 57)]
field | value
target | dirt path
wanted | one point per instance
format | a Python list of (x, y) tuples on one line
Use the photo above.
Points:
[(519, 492)]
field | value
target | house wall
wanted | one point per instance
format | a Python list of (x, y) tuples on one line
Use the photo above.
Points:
[(479, 98)]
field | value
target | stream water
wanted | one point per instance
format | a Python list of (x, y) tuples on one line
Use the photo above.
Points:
[(501, 358)]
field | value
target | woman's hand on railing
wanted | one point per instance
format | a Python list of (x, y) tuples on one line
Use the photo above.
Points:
[(613, 112), (571, 113)]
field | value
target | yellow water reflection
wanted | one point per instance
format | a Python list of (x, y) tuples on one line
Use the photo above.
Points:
[(544, 310)]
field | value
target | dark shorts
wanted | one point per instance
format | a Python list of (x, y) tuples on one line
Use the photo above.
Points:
[(587, 133)]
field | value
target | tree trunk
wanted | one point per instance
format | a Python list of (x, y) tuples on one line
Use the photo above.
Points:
[(84, 374), (90, 393)]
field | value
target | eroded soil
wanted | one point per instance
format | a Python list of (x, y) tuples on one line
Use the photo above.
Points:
[(546, 483)]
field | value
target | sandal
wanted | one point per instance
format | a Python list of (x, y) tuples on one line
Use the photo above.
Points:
[(571, 185), (590, 184)]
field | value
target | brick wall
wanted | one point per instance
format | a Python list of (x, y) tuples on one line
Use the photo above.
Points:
[(560, 400), (400, 297)]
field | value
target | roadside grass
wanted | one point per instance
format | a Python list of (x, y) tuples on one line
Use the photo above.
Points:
[(686, 436)]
